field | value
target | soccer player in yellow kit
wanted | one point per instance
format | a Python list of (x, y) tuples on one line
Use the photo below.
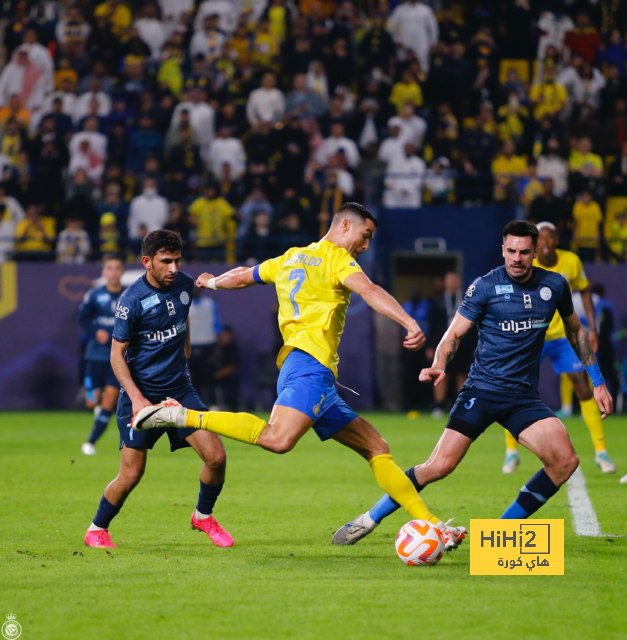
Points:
[(313, 286), (558, 349)]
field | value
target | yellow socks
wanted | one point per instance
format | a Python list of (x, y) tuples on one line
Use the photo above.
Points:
[(399, 487), (566, 395), (238, 426), (510, 441), (592, 417)]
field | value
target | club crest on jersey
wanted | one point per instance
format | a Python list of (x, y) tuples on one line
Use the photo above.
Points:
[(185, 297), (149, 303), (470, 291), (545, 293), (527, 300), (170, 306), (504, 288)]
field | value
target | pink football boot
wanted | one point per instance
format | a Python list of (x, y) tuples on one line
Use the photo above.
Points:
[(100, 539), (219, 536)]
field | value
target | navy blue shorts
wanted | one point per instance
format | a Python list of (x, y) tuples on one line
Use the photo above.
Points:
[(140, 439), (99, 374), (309, 386), (476, 409)]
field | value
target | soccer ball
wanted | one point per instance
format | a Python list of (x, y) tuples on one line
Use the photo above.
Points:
[(419, 543)]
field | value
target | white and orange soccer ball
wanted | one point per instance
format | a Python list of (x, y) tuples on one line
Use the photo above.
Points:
[(419, 543)]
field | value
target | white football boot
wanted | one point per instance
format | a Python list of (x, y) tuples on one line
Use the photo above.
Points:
[(165, 414), (604, 462), (453, 536), (512, 460), (355, 530), (88, 449), (623, 480)]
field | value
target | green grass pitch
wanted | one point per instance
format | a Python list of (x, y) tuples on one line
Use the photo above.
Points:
[(283, 578)]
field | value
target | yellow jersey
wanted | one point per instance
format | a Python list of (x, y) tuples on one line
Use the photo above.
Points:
[(312, 298), (569, 265)]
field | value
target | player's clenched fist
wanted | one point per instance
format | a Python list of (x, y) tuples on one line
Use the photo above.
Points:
[(415, 339), (432, 374), (203, 279)]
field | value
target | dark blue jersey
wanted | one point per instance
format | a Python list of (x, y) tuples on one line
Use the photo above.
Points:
[(153, 322), (512, 319), (97, 311)]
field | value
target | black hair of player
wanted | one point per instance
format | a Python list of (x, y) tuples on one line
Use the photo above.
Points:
[(359, 210), (162, 241), (521, 229), (112, 256)]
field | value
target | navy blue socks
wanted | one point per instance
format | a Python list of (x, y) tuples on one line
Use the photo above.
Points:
[(106, 512), (100, 425), (207, 497), (531, 497)]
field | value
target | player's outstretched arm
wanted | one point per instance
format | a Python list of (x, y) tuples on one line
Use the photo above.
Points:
[(578, 339), (385, 304), (446, 350), (238, 278), (123, 374), (588, 305)]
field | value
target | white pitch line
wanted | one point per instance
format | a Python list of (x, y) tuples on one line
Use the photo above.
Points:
[(585, 520)]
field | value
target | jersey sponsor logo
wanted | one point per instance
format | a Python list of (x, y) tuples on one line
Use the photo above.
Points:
[(170, 306), (105, 321), (305, 259), (168, 334), (470, 403), (516, 327), (504, 288), (527, 300), (185, 297), (149, 303), (103, 298), (470, 291), (545, 293), (121, 312)]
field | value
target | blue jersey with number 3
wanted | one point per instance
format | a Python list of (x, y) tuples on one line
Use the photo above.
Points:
[(512, 319)]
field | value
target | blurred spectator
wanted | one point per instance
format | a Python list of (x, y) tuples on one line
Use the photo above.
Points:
[(414, 27), (35, 236), (403, 180), (254, 204), (303, 101), (13, 110), (376, 48), (618, 174), (226, 149), (117, 15), (73, 244), (184, 157), (407, 91), (368, 124), (24, 78), (587, 217), (616, 126), (82, 106), (266, 104), (201, 116), (617, 237), (148, 211), (336, 143), (226, 11), (108, 234), (584, 38), (392, 146), (549, 208), (553, 28), (225, 362), (507, 168), (547, 97), (552, 165), (317, 79), (584, 166), (208, 41), (8, 226), (439, 182), (412, 127), (144, 142), (206, 327), (529, 187), (150, 29), (213, 218)]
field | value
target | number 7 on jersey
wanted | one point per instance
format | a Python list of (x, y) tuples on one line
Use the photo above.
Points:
[(299, 276)]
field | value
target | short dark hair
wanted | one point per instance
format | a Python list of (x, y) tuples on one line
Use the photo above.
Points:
[(162, 240), (359, 210), (112, 256), (521, 229)]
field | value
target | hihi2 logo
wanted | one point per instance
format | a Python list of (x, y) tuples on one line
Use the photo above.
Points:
[(517, 547)]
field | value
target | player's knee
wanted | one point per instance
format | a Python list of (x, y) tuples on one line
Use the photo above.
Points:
[(215, 459), (131, 477), (571, 464), (283, 445), (443, 467)]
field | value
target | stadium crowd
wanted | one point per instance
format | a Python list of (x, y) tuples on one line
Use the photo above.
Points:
[(244, 124)]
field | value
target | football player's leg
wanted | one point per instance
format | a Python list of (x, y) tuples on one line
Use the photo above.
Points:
[(209, 447), (109, 400), (592, 417), (360, 436), (549, 440), (132, 467), (512, 459), (566, 397)]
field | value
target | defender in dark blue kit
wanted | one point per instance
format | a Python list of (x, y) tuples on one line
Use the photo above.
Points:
[(96, 316), (148, 355), (512, 307)]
